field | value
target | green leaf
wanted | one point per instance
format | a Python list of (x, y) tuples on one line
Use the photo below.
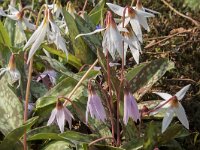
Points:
[(14, 136), (97, 12), (45, 136), (148, 75), (85, 26), (81, 50), (172, 132), (76, 137), (4, 37), (11, 110), (58, 145), (38, 89), (134, 144), (72, 60), (10, 26), (104, 147), (150, 137)]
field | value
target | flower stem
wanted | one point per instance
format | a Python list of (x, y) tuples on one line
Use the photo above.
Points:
[(121, 84), (27, 98), (110, 93), (80, 82), (29, 85)]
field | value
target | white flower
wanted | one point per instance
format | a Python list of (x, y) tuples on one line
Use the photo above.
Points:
[(56, 8), (173, 105), (59, 115), (112, 39), (12, 71), (134, 16), (53, 35), (131, 37)]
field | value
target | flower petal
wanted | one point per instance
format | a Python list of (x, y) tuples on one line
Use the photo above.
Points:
[(37, 42), (167, 119), (135, 54), (28, 24), (13, 10), (116, 9), (180, 94), (180, 112), (143, 13), (52, 117), (90, 33), (60, 117), (136, 28), (165, 96)]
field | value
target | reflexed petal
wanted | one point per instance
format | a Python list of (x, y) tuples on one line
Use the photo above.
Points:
[(143, 22), (28, 24), (152, 11), (90, 33), (60, 117), (3, 70), (116, 9), (15, 75), (135, 54), (13, 10), (13, 17), (180, 94), (34, 36), (37, 42), (60, 43), (136, 28), (142, 13), (68, 117), (165, 96), (167, 119), (52, 117), (134, 108), (2, 13), (180, 112)]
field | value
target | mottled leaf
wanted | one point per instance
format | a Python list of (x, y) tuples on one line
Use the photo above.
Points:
[(58, 145), (149, 74), (81, 50), (72, 60), (4, 37), (97, 12), (11, 110), (14, 136), (84, 26)]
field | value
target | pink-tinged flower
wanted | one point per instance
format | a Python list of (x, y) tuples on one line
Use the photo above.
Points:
[(130, 107), (50, 73), (94, 105), (136, 49), (173, 105), (112, 39), (134, 16), (59, 115), (12, 71), (47, 27)]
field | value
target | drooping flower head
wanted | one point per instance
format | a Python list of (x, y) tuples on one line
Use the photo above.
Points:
[(130, 107), (51, 75), (136, 49), (47, 27), (56, 8), (59, 115), (12, 71), (173, 105), (134, 16), (94, 105)]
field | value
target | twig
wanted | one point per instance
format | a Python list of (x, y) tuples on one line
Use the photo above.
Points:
[(100, 139), (167, 38), (80, 82), (180, 14), (85, 4), (176, 79)]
